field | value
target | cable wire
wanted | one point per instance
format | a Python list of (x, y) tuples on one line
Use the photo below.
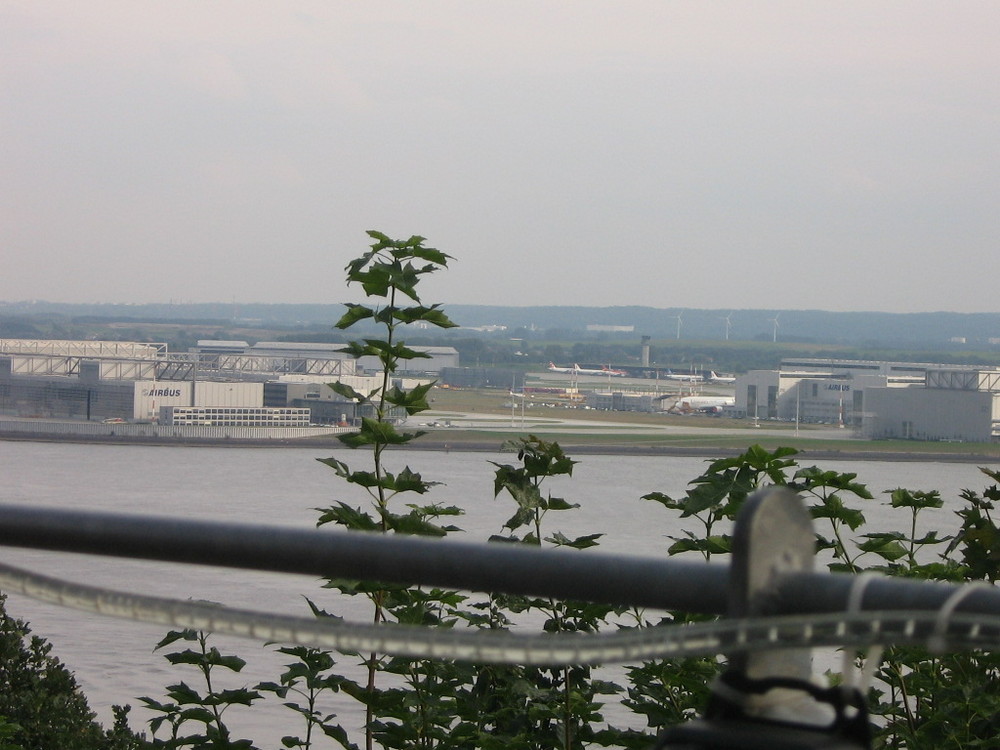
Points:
[(857, 628)]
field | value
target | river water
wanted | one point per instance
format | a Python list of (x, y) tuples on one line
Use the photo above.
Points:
[(114, 660)]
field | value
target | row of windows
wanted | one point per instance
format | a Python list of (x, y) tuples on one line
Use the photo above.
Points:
[(229, 410), (236, 416)]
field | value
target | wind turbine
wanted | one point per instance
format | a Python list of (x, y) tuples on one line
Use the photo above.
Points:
[(678, 316), (774, 320), (729, 324)]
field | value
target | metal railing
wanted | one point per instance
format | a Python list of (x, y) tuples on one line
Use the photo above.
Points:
[(776, 606)]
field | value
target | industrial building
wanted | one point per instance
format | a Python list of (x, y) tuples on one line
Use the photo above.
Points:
[(961, 405), (326, 406), (150, 397), (306, 357), (909, 400), (434, 360), (618, 401), (95, 381), (231, 416)]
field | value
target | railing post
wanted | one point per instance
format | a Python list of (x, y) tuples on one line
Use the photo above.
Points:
[(773, 535), (766, 699)]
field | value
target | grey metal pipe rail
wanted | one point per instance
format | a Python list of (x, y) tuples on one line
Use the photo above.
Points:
[(829, 592), (508, 568)]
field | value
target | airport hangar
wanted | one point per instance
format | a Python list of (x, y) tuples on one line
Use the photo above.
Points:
[(880, 400), (233, 383)]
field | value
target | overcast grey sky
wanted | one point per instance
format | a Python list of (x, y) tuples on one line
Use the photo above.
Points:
[(835, 155)]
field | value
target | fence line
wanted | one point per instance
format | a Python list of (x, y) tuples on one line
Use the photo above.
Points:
[(162, 432), (663, 583)]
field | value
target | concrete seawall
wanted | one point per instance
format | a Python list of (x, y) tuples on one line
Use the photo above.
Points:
[(70, 429)]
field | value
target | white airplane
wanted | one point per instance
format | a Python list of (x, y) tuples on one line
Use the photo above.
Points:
[(705, 404), (567, 370), (684, 378), (713, 378), (577, 370)]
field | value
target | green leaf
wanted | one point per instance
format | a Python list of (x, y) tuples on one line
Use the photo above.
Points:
[(348, 517), (522, 517), (410, 481), (377, 432), (272, 687), (354, 439), (231, 662), (883, 546), (558, 503), (239, 696), (347, 392), (581, 542), (199, 714), (932, 538), (414, 523), (184, 694), (401, 351), (376, 281), (176, 635), (339, 467), (702, 498), (413, 401), (665, 500), (355, 313), (833, 507), (421, 314), (188, 656), (902, 498), (357, 350), (429, 254)]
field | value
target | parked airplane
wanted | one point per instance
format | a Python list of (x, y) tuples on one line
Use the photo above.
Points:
[(705, 404), (568, 370), (713, 378), (684, 378), (577, 370)]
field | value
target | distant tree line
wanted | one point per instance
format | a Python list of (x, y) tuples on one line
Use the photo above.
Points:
[(523, 347), (935, 330)]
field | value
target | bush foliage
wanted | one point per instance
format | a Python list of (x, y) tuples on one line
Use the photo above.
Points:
[(41, 705)]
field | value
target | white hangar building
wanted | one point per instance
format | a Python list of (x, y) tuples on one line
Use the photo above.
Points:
[(242, 385), (961, 405), (909, 400), (151, 397)]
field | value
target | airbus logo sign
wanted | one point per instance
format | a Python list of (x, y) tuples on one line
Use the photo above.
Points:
[(161, 392)]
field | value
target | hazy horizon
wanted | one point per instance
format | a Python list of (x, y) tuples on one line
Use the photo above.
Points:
[(837, 156), (446, 305)]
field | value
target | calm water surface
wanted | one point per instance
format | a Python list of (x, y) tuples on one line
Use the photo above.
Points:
[(114, 660)]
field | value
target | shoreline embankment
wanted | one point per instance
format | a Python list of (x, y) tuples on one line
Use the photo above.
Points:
[(472, 443)]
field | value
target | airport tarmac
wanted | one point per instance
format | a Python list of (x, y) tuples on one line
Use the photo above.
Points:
[(555, 425)]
